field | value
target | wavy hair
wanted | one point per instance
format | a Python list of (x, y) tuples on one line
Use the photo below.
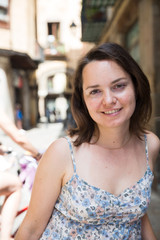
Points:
[(86, 127)]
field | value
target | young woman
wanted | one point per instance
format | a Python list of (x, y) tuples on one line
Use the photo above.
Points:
[(96, 183)]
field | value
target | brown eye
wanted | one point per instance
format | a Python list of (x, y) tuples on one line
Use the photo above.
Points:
[(95, 91), (119, 86)]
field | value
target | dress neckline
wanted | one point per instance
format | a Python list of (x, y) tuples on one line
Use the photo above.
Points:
[(148, 169), (107, 192)]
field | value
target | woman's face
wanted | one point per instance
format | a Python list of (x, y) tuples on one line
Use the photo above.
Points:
[(108, 93)]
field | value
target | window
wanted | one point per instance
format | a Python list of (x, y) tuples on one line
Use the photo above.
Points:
[(4, 13), (56, 83), (53, 29), (54, 46)]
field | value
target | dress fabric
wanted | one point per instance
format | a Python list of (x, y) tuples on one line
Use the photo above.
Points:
[(83, 211)]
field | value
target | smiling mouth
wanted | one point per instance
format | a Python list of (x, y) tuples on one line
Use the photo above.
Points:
[(112, 111)]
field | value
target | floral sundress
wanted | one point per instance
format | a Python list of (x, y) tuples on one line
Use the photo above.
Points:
[(83, 211)]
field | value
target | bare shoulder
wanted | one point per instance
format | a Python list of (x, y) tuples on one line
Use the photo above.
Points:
[(153, 141), (153, 146), (59, 146), (57, 155)]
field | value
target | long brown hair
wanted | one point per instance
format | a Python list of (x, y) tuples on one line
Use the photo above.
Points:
[(85, 124)]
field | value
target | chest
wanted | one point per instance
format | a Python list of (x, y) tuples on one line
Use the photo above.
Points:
[(112, 171)]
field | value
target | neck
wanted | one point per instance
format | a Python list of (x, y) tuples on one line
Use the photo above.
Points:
[(114, 138)]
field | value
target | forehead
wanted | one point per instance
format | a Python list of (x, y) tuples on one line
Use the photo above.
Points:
[(102, 70)]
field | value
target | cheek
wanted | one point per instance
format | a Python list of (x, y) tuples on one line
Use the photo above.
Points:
[(91, 104), (130, 100), (127, 97)]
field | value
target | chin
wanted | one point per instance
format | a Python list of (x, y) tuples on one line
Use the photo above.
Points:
[(116, 124)]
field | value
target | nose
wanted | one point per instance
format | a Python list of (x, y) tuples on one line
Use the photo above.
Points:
[(108, 98)]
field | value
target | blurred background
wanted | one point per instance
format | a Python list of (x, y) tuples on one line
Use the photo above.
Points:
[(42, 40)]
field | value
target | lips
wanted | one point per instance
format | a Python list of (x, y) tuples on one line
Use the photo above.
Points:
[(112, 111)]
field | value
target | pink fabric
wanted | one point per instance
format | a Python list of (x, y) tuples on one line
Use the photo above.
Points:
[(28, 169)]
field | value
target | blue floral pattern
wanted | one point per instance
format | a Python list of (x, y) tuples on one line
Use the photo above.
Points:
[(86, 212)]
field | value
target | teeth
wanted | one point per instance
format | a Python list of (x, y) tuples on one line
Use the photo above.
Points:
[(112, 111)]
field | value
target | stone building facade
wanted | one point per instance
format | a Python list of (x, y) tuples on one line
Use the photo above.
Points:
[(59, 33), (19, 55)]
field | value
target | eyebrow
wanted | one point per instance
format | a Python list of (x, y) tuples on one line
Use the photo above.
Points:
[(115, 81)]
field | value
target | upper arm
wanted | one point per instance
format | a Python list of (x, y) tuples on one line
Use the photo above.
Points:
[(153, 147), (147, 231), (47, 186)]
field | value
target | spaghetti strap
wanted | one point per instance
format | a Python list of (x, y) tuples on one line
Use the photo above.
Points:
[(146, 148), (72, 155)]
